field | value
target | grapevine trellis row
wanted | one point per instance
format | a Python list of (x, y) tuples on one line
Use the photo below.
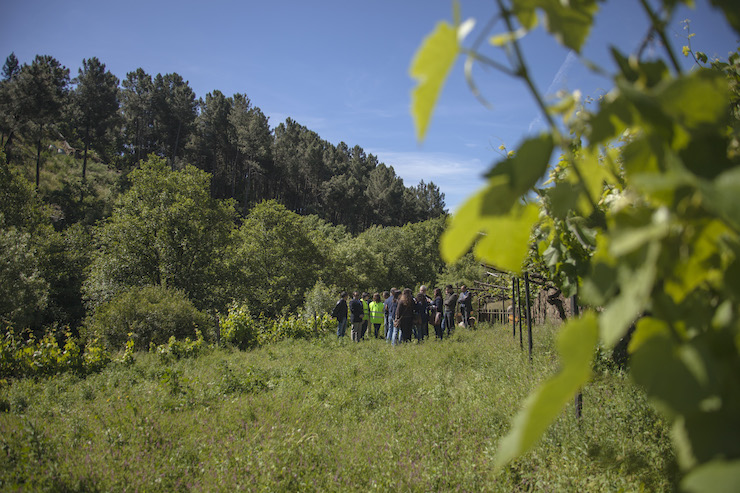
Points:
[(514, 308)]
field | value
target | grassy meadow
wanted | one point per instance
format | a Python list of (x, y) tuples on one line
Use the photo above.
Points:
[(327, 415)]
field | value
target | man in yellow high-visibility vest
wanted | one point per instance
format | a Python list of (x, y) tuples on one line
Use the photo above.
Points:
[(376, 313)]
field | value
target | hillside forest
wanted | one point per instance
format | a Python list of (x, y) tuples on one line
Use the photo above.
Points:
[(109, 186)]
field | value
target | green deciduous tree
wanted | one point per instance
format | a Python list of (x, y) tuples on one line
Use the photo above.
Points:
[(275, 259), (167, 231), (23, 290)]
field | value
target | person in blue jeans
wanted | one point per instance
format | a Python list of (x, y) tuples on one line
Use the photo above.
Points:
[(387, 311), (395, 328), (340, 313)]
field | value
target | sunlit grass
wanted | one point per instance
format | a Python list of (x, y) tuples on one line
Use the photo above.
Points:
[(326, 415)]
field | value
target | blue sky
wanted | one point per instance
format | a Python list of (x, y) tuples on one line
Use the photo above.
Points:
[(341, 67)]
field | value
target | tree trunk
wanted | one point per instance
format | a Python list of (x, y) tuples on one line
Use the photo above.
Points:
[(177, 142), (84, 157), (246, 188), (38, 156), (7, 145)]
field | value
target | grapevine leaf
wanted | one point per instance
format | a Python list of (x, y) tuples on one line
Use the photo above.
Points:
[(507, 182), (515, 227), (611, 120), (525, 13), (655, 367), (721, 196), (636, 284), (706, 155), (569, 22), (644, 74), (713, 477), (430, 67), (643, 155), (697, 99), (562, 198), (576, 343), (527, 166), (645, 329), (697, 267), (595, 175), (463, 228), (674, 375)]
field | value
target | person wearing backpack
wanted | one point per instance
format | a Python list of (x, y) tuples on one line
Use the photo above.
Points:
[(340, 313)]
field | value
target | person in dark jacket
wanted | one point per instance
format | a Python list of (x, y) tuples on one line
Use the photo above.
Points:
[(421, 319), (357, 312), (405, 314), (388, 295), (466, 305), (438, 312), (340, 313), (448, 322)]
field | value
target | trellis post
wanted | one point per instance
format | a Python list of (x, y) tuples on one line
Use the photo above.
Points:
[(529, 313), (513, 307), (579, 396)]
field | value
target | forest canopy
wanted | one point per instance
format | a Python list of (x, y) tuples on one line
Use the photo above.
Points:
[(109, 187), (94, 115)]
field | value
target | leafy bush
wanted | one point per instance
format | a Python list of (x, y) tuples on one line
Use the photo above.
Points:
[(151, 314), (319, 300), (242, 330), (20, 357), (175, 349), (239, 328)]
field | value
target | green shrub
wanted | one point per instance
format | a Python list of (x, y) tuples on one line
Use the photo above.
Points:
[(242, 330), (151, 314), (175, 349), (21, 357), (319, 300), (239, 328)]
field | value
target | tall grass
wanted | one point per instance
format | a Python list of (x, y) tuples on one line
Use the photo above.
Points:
[(326, 415)]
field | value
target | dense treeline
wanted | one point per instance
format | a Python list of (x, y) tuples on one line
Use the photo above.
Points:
[(166, 231), (145, 185), (123, 122), (139, 184)]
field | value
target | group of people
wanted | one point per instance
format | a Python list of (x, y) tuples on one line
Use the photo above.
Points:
[(401, 314)]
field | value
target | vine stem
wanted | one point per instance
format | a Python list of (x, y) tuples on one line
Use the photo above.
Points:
[(523, 72), (659, 25)]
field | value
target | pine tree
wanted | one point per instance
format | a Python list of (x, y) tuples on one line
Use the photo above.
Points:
[(95, 105)]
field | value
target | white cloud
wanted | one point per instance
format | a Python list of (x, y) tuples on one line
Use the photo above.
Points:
[(457, 177)]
